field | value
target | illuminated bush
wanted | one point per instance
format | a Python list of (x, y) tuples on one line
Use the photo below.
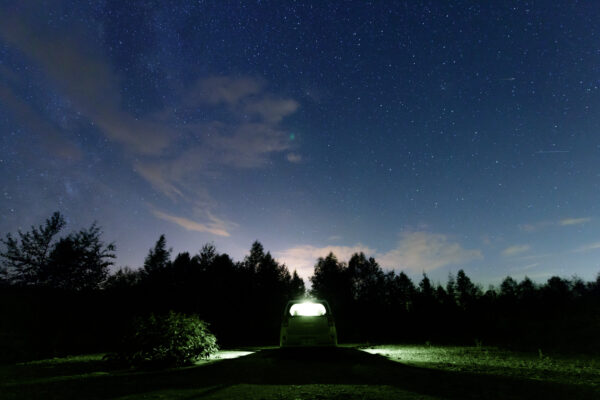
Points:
[(170, 340)]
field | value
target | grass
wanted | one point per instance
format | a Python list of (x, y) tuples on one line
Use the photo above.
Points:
[(580, 370), (377, 372)]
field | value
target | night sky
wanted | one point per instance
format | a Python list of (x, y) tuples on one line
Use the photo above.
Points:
[(433, 136)]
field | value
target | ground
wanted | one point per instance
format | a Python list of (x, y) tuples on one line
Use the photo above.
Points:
[(347, 372)]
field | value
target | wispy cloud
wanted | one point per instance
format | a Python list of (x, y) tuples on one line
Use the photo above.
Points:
[(515, 250), (526, 267), (536, 256), (245, 132), (415, 252), (272, 110), (303, 258), (88, 80), (49, 135), (423, 251), (573, 221), (232, 142), (216, 226), (537, 226), (159, 178), (222, 90), (246, 145), (587, 247), (294, 158), (529, 266), (534, 227)]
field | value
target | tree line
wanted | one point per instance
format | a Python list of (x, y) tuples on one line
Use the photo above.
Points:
[(374, 305), (57, 296)]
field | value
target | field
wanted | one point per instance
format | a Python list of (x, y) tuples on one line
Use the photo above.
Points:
[(348, 372)]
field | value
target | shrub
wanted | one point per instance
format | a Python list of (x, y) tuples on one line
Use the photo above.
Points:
[(170, 340)]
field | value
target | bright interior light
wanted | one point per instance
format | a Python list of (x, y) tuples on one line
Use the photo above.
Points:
[(307, 309)]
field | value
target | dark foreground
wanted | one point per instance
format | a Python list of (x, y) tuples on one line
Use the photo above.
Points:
[(342, 373)]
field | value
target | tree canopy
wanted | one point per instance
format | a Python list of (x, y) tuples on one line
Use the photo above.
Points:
[(38, 257)]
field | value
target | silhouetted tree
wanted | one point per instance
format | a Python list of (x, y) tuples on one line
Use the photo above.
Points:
[(451, 289), (426, 292), (270, 274), (264, 286), (297, 288), (368, 291), (272, 284), (24, 258), (402, 291), (182, 262), (330, 281), (79, 261), (366, 278), (595, 287), (207, 256), (75, 262), (557, 289), (508, 289), (466, 291), (123, 279), (527, 291), (440, 294), (158, 258), (255, 257), (368, 303), (220, 283), (488, 301), (578, 288)]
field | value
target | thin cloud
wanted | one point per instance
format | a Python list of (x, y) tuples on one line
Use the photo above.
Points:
[(248, 146), (294, 158), (272, 110), (415, 252), (303, 258), (244, 95), (50, 137), (93, 88), (216, 226), (524, 267), (88, 80), (223, 90), (545, 224), (515, 250), (573, 221), (535, 226), (225, 143), (529, 266), (422, 251), (246, 134), (536, 256), (158, 177), (587, 247)]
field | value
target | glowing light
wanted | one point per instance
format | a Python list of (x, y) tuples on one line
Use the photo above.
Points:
[(230, 354), (307, 309)]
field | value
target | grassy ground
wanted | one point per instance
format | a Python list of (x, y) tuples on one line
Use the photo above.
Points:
[(349, 372), (573, 370)]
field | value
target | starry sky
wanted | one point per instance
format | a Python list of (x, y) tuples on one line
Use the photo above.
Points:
[(432, 135)]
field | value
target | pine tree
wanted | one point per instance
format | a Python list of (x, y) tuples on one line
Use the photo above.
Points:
[(158, 258)]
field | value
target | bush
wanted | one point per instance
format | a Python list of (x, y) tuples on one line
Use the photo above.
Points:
[(171, 340)]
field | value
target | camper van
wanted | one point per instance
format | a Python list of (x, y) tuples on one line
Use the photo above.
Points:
[(307, 323)]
